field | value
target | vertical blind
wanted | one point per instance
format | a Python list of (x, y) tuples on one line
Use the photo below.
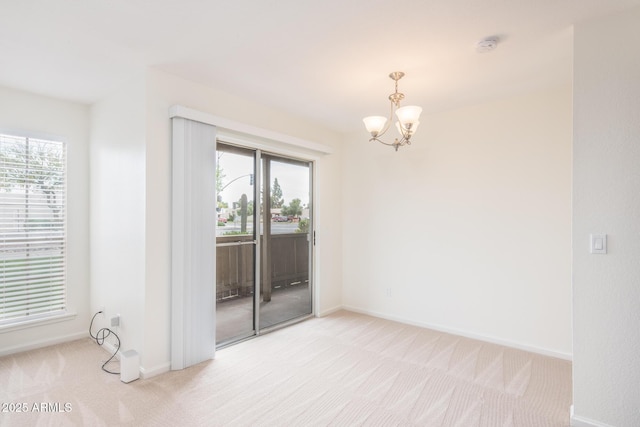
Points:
[(32, 228)]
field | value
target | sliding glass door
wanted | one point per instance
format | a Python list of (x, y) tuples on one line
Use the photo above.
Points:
[(264, 242), (236, 243), (286, 241)]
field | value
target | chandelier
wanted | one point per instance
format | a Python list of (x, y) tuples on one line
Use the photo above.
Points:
[(408, 119)]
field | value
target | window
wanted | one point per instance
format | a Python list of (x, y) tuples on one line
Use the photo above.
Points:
[(32, 229)]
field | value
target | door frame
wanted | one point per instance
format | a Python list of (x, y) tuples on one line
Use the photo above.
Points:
[(259, 149)]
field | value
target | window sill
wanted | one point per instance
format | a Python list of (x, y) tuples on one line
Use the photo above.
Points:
[(37, 322)]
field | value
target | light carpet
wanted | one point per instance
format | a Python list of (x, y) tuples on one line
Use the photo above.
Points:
[(345, 369)]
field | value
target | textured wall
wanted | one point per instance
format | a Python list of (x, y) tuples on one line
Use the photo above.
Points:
[(117, 166), (606, 199)]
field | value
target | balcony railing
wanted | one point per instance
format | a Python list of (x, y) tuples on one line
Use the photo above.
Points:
[(289, 266)]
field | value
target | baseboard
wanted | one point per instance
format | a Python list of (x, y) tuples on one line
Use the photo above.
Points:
[(42, 343), (157, 370), (578, 421), (329, 311), (453, 331), (109, 348), (145, 373)]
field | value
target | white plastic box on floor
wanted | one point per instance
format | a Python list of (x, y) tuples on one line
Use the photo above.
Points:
[(129, 366)]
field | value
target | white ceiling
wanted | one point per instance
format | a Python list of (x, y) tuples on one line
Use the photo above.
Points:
[(325, 60)]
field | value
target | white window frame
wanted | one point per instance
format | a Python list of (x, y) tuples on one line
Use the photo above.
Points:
[(52, 303)]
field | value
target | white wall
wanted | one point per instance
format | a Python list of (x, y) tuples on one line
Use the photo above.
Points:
[(117, 165), (21, 113), (468, 229), (606, 188)]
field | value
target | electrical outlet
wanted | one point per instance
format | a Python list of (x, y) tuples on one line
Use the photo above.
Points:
[(115, 320)]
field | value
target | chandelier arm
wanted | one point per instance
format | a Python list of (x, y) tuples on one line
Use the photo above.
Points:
[(382, 142), (396, 143), (388, 124)]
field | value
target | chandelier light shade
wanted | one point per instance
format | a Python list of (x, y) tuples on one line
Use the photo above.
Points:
[(374, 124), (408, 119)]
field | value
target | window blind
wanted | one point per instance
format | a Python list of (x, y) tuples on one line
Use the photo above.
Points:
[(32, 228)]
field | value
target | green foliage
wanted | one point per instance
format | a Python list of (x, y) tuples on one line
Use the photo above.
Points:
[(276, 195), (220, 175), (294, 208), (303, 226), (45, 171), (249, 207), (236, 233)]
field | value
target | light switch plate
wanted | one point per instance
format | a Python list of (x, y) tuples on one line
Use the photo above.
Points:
[(598, 243)]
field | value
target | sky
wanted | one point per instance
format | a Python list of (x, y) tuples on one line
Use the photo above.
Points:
[(293, 179)]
